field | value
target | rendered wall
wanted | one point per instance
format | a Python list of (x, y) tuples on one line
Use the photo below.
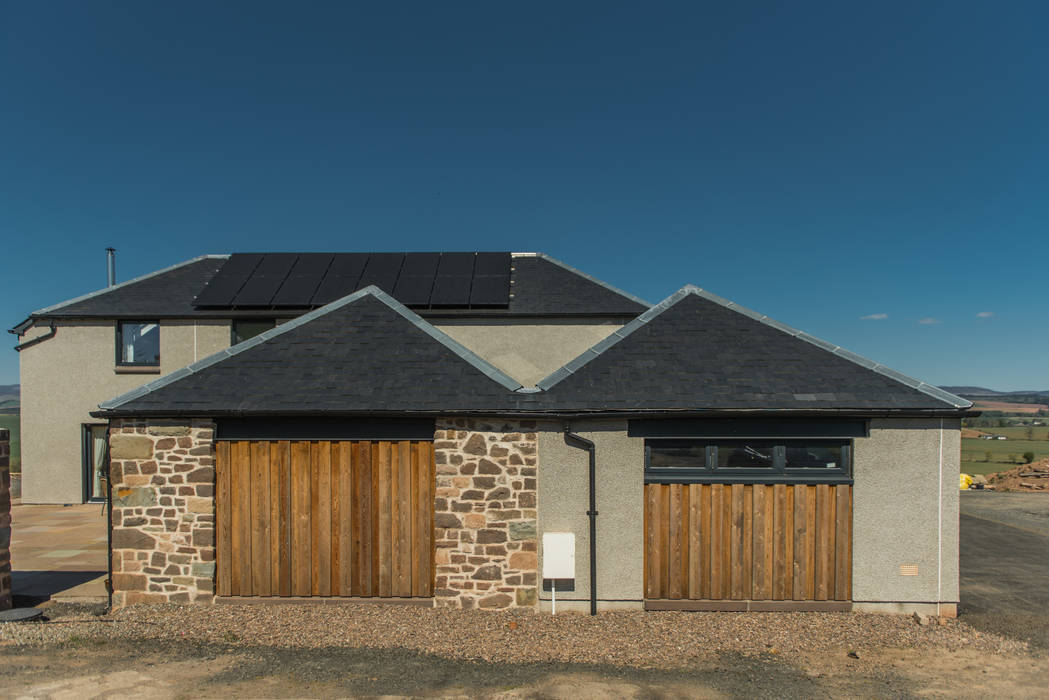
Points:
[(530, 351), (564, 500), (67, 376), (5, 519), (905, 511)]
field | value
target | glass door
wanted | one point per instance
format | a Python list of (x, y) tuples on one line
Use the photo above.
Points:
[(96, 461)]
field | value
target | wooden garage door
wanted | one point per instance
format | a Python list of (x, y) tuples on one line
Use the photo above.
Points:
[(736, 542), (324, 518)]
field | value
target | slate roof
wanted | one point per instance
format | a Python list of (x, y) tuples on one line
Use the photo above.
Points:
[(540, 286), (363, 353), (696, 351)]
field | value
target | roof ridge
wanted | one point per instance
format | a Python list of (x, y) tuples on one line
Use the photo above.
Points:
[(463, 352), (590, 278), (135, 280), (689, 289)]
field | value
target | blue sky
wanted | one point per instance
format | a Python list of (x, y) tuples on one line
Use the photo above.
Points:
[(818, 162)]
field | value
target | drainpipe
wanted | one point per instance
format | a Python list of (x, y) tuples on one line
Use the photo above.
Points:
[(588, 445), (111, 266), (108, 510)]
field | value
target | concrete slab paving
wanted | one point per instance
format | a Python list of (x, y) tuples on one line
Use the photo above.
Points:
[(58, 553)]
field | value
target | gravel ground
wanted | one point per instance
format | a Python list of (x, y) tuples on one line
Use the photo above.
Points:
[(663, 640)]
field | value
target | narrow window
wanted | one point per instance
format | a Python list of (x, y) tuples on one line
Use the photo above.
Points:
[(138, 343), (243, 329)]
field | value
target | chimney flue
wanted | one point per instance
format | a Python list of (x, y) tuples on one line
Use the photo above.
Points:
[(111, 265)]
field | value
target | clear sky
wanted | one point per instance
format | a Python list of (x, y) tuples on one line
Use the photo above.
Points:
[(874, 173)]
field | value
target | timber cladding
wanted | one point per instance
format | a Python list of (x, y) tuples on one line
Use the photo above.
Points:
[(743, 542), (324, 518)]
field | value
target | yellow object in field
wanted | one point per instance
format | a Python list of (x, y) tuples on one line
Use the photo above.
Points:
[(967, 481)]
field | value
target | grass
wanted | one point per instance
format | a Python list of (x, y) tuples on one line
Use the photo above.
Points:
[(974, 450), (10, 421)]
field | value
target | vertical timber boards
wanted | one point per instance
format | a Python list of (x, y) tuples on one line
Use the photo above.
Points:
[(748, 542), (324, 518)]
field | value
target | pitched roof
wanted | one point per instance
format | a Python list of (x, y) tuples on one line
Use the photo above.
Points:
[(363, 353), (540, 286), (164, 293), (696, 351)]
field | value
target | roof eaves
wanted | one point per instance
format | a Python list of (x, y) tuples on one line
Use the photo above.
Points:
[(489, 370), (50, 309), (591, 278)]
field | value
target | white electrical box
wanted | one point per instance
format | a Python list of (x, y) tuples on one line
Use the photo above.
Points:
[(559, 555)]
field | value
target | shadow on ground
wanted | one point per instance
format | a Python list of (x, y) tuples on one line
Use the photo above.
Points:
[(39, 586)]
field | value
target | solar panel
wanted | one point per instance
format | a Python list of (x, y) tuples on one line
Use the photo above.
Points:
[(456, 265), (312, 264), (382, 271), (333, 287), (220, 290), (348, 264), (297, 290), (413, 290), (276, 264), (492, 264), (258, 291), (451, 291), (490, 290), (240, 264), (420, 264)]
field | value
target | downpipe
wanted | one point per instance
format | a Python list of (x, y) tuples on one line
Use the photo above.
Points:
[(582, 443)]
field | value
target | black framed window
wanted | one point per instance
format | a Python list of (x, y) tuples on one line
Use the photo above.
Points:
[(246, 328), (803, 460), (138, 343)]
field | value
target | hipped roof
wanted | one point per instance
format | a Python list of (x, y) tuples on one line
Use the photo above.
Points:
[(692, 353)]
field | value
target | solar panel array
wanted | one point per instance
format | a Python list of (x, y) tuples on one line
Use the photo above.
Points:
[(304, 280)]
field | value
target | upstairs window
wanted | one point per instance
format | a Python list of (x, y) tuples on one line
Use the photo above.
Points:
[(138, 343), (246, 328), (747, 461)]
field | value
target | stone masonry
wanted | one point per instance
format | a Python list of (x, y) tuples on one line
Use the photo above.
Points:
[(162, 476), (485, 513), (5, 519)]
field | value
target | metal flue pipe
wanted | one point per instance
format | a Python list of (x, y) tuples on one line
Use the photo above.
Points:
[(111, 266)]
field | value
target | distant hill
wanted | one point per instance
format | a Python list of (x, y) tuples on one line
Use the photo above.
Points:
[(9, 397), (979, 393)]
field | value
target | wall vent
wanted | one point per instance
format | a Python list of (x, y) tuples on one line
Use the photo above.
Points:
[(908, 569)]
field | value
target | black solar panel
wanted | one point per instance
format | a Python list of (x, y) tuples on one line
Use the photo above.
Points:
[(420, 264), (240, 264), (413, 290), (456, 265), (299, 280), (451, 291), (382, 270), (492, 264), (490, 290), (221, 289)]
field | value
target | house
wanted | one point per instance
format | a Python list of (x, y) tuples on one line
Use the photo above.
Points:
[(409, 440)]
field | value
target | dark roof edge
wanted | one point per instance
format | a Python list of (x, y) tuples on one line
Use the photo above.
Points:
[(591, 278), (570, 368), (469, 356), (55, 307), (563, 414)]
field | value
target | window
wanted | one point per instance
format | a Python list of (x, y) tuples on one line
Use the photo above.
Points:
[(138, 343), (747, 461), (243, 329)]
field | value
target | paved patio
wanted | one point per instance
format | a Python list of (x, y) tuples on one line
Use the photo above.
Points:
[(58, 553)]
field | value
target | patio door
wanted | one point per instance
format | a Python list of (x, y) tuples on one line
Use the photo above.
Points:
[(96, 461)]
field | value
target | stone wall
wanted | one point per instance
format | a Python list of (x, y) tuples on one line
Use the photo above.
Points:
[(485, 513), (163, 481), (5, 519)]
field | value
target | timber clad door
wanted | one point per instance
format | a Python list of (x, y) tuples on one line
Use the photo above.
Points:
[(324, 518), (748, 542)]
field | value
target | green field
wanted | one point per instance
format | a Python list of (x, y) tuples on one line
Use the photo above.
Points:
[(974, 450), (10, 421)]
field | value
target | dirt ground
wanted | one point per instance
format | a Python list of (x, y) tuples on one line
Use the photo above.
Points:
[(80, 669), (1004, 567)]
